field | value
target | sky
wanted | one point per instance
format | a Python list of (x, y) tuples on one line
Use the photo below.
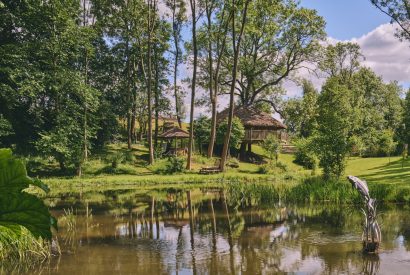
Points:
[(347, 19), (360, 22)]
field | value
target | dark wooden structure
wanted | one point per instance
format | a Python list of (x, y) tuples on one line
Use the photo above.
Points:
[(258, 125), (172, 135)]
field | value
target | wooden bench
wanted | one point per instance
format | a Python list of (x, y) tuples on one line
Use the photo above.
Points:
[(209, 170)]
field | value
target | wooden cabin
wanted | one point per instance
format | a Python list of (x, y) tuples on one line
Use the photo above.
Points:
[(258, 125)]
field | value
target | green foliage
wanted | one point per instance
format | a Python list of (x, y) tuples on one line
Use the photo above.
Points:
[(272, 147), (341, 60), (232, 163), (335, 123), (237, 133), (175, 165), (264, 169), (386, 143), (305, 154), (283, 35), (17, 208), (5, 128), (202, 130), (22, 251), (301, 114)]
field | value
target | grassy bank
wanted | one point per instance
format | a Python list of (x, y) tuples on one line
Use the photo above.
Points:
[(388, 178)]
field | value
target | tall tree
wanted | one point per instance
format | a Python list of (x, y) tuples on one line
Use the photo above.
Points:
[(236, 44), (178, 12), (342, 60), (280, 38), (213, 45), (335, 121), (300, 114), (150, 28), (193, 4)]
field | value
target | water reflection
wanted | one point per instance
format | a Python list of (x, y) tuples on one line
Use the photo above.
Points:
[(205, 232)]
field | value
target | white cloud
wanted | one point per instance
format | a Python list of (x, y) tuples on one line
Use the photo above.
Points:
[(384, 53)]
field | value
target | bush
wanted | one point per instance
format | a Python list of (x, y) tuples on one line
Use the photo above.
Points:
[(233, 163), (304, 154), (264, 169), (115, 159), (282, 166), (272, 147), (174, 165), (237, 134)]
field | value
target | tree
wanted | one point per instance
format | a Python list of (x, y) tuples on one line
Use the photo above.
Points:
[(237, 133), (387, 145), (178, 11), (300, 115), (202, 129), (193, 4), (334, 125), (5, 129), (279, 39), (272, 147), (399, 12), (150, 28), (45, 81), (236, 44), (405, 133), (212, 46), (341, 60)]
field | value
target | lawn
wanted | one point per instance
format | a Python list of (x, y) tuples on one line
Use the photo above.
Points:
[(133, 172), (380, 170)]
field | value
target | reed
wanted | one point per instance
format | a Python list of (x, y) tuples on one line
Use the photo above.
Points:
[(21, 252)]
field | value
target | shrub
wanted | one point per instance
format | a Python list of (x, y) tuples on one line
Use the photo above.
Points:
[(115, 159), (272, 147), (237, 133), (233, 163), (264, 169), (282, 166), (304, 154), (174, 165)]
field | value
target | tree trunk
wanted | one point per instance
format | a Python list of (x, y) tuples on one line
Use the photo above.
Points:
[(156, 99), (220, 48), (195, 50), (211, 83), (150, 145), (234, 73), (212, 138)]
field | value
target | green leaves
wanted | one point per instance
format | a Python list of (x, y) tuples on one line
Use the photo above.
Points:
[(18, 208), (13, 175), (25, 210)]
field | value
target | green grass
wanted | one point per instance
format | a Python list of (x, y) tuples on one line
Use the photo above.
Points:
[(20, 252), (380, 170), (388, 178)]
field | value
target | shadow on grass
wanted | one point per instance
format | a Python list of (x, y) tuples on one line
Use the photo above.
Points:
[(390, 173)]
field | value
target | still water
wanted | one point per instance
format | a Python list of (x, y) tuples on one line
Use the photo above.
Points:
[(207, 232)]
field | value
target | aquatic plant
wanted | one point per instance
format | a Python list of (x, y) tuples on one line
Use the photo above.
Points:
[(25, 222)]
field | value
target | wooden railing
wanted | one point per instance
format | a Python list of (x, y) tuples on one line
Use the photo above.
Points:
[(260, 135)]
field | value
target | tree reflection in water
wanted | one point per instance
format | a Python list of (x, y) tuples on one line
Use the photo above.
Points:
[(205, 232)]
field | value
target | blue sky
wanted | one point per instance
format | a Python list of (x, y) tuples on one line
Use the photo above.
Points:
[(347, 19)]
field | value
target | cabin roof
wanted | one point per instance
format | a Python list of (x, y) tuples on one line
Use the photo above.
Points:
[(174, 132), (251, 117)]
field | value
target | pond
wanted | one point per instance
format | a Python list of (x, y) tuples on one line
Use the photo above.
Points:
[(207, 231)]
